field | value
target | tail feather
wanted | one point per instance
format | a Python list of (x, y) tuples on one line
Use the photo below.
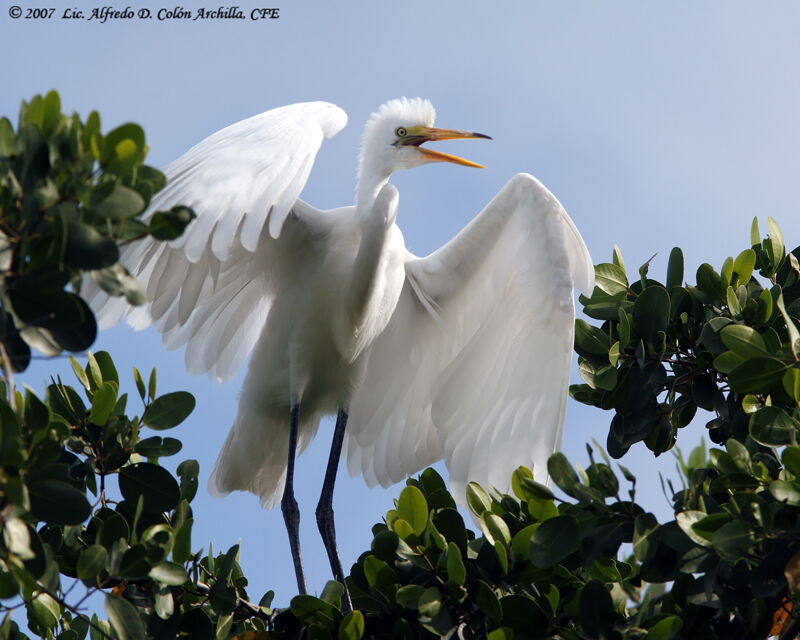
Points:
[(254, 457)]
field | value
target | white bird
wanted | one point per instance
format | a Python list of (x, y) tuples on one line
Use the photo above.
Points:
[(463, 355)]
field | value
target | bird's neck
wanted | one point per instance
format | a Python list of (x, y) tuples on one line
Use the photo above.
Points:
[(370, 182)]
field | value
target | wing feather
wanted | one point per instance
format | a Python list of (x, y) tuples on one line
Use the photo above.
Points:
[(474, 364), (211, 288)]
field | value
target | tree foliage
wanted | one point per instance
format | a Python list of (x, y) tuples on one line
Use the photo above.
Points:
[(86, 507), (69, 197)]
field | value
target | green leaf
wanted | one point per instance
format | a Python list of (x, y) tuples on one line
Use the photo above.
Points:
[(727, 271), (332, 593), (791, 459), (553, 541), (157, 447), (57, 502), (755, 234), (124, 148), (665, 629), (412, 507), (182, 547), (430, 602), (596, 610), (562, 473), (764, 306), (80, 374), (732, 300), (536, 490), (117, 281), (51, 112), (115, 201), (645, 537), (750, 404), (706, 527), (169, 410), (151, 384), (518, 476), (616, 258), (124, 618), (643, 272), (610, 279), (450, 524), (408, 596), (66, 318), (501, 633), (91, 561), (378, 573), (522, 614), (773, 427), (791, 328), (744, 341), (589, 340), (169, 573), (103, 402), (456, 571), (106, 365), (352, 626), (155, 484), (598, 376), (188, 470), (541, 510), (613, 355), (488, 602), (785, 491), (709, 281), (686, 519), (164, 603), (87, 248), (137, 377), (756, 375), (774, 244), (224, 599), (791, 384), (17, 537), (495, 528), (675, 268), (168, 225), (733, 540), (743, 267), (46, 611), (624, 328), (477, 499), (8, 142), (727, 361), (651, 312), (113, 528)]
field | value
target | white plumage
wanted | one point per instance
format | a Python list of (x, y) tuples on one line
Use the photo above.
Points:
[(462, 355)]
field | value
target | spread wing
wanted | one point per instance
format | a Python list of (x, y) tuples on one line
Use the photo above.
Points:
[(211, 288), (474, 364)]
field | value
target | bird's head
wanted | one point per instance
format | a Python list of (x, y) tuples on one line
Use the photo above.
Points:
[(394, 135)]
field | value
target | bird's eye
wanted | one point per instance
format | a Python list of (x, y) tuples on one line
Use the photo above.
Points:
[(400, 132)]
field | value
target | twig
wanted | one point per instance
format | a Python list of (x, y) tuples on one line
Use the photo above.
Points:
[(74, 609), (255, 610)]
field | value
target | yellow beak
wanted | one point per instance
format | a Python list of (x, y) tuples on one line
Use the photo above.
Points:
[(419, 135)]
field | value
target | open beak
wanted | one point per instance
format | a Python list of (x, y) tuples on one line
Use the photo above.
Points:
[(419, 135)]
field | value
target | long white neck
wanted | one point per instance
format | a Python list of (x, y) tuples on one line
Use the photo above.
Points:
[(370, 181)]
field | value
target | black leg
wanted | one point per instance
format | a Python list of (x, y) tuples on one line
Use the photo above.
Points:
[(325, 508), (291, 514)]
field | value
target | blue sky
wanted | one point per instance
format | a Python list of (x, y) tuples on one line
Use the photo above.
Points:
[(655, 125)]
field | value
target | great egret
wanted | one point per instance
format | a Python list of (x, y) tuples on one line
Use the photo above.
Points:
[(463, 355)]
